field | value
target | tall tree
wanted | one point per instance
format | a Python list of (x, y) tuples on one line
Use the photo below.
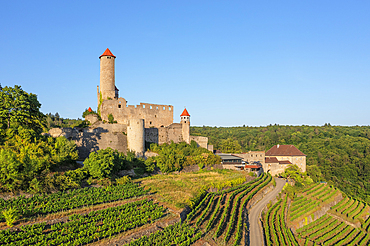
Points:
[(19, 108)]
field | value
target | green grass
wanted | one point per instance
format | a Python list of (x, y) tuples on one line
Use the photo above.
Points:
[(178, 190)]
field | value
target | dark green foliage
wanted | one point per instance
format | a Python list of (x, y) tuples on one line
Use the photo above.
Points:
[(337, 154), (87, 112), (56, 121), (105, 163), (26, 162), (111, 119), (19, 108), (173, 157)]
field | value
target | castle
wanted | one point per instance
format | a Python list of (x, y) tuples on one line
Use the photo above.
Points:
[(136, 125)]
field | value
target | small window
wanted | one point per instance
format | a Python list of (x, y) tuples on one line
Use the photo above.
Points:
[(169, 108), (185, 121), (155, 116), (150, 122), (157, 107), (119, 105), (143, 106), (164, 108), (150, 107)]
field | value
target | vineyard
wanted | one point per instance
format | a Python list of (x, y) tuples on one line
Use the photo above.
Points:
[(345, 223), (97, 215), (219, 217), (63, 201)]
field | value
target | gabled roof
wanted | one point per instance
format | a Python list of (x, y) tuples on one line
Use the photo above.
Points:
[(107, 53), (185, 113), (284, 162), (271, 160), (284, 150)]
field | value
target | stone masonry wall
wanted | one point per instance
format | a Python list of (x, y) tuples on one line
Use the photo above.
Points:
[(201, 141), (93, 139), (154, 115)]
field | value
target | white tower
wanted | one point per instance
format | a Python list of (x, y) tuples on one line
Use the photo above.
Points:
[(185, 122)]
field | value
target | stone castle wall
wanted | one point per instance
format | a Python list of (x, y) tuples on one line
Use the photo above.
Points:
[(154, 115), (93, 139), (170, 133), (201, 141)]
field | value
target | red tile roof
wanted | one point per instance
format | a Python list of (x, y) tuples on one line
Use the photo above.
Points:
[(271, 160), (107, 53), (284, 150), (285, 162), (252, 166), (185, 113)]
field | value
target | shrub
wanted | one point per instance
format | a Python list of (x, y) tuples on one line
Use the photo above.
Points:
[(104, 163), (111, 119), (123, 180), (87, 112), (10, 215)]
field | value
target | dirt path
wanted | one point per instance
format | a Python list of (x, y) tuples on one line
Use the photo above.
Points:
[(255, 227)]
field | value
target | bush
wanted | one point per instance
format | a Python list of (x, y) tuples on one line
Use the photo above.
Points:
[(87, 112), (105, 163), (111, 119), (150, 164), (10, 215), (123, 180)]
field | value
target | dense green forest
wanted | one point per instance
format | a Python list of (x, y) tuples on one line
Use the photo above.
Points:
[(339, 155)]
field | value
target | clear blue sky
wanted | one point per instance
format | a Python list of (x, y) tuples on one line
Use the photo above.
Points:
[(229, 62)]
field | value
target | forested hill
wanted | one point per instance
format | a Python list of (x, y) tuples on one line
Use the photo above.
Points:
[(337, 154)]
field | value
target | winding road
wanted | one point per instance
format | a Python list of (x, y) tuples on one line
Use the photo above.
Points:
[(255, 227)]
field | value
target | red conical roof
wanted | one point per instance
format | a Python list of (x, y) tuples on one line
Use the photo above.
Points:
[(185, 113), (107, 53)]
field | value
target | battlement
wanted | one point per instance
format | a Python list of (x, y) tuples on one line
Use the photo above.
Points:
[(154, 115)]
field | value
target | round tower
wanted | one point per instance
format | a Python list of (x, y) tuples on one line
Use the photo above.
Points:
[(136, 136), (185, 122), (107, 76)]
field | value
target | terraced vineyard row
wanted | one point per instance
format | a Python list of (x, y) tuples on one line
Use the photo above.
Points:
[(62, 201), (178, 234), (82, 229), (346, 223), (330, 231), (352, 210), (220, 216), (310, 200), (275, 230)]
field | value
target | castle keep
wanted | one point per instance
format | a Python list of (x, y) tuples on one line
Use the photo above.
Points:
[(135, 125)]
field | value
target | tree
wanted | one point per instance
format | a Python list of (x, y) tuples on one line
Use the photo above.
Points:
[(230, 146), (19, 108), (105, 163)]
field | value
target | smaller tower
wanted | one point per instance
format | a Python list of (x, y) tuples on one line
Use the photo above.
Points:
[(185, 122), (136, 136)]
